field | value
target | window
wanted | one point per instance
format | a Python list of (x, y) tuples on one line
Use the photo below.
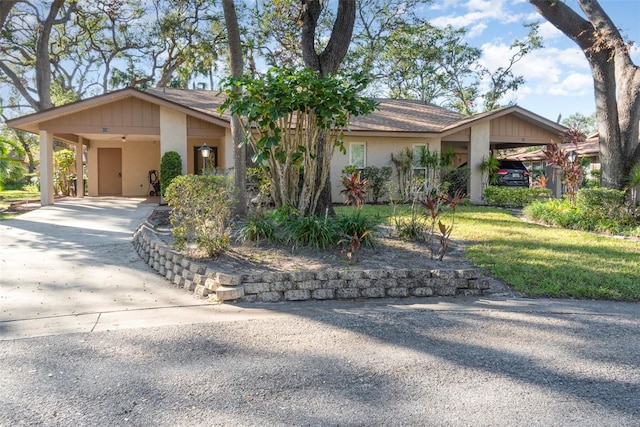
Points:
[(358, 154), (419, 168)]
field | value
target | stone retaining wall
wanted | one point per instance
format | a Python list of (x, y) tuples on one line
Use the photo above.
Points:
[(302, 285)]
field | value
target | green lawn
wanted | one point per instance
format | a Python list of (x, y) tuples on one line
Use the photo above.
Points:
[(541, 261), (9, 196)]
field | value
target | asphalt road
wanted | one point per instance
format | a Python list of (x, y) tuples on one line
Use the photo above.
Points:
[(172, 360), (410, 362)]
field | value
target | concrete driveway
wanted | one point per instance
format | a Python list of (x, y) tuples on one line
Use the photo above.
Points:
[(63, 266)]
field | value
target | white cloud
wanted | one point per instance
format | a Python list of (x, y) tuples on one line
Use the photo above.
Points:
[(443, 5), (457, 21), (483, 5), (546, 65), (476, 30), (574, 85), (549, 32), (480, 14)]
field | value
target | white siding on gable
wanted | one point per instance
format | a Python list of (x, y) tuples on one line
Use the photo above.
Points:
[(358, 154)]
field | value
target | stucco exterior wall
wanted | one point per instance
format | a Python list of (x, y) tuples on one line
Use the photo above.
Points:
[(173, 134), (138, 158), (479, 148), (46, 168), (378, 153)]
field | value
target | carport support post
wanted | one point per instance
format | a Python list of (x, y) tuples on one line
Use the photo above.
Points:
[(79, 169), (46, 168), (173, 134), (479, 147)]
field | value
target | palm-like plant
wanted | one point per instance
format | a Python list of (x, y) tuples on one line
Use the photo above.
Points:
[(355, 189), (10, 166)]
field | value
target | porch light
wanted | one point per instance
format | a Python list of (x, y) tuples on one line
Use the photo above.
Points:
[(204, 151), (572, 156), (123, 138)]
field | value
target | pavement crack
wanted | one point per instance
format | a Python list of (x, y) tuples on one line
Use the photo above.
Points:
[(96, 323)]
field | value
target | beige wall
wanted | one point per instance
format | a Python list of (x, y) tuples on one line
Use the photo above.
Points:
[(378, 153), (173, 134), (138, 158), (46, 168), (479, 148)]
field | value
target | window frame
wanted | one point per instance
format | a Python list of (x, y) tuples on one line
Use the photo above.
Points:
[(364, 154), (415, 167)]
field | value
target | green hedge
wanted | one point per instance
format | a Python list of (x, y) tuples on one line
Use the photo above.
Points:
[(170, 167), (600, 202), (596, 209), (516, 197)]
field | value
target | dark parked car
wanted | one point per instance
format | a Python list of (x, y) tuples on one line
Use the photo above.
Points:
[(512, 173)]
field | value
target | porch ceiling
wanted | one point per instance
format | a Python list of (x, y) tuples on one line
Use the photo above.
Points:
[(114, 136)]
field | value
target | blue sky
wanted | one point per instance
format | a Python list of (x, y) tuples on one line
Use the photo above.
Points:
[(558, 76)]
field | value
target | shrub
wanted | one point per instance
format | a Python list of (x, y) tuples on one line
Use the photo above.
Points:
[(377, 178), (558, 212), (170, 167), (201, 211), (414, 227), (595, 210), (312, 231), (605, 208), (434, 206), (600, 201), (258, 228), (457, 180), (259, 185), (358, 224), (63, 163), (514, 196)]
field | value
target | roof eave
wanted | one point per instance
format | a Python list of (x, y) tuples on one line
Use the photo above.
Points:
[(528, 116), (29, 123)]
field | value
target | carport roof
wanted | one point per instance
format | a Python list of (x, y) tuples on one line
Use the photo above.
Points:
[(392, 116)]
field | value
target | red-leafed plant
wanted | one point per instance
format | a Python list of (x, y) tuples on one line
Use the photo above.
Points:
[(354, 245), (355, 189), (434, 206), (567, 160)]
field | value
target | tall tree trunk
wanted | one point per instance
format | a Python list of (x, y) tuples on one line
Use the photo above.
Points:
[(5, 8), (616, 83), (326, 63), (43, 62), (239, 148)]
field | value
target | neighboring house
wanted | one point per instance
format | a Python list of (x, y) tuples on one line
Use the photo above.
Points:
[(535, 159), (127, 131)]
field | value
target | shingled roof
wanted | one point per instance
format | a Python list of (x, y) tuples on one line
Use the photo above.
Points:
[(392, 115)]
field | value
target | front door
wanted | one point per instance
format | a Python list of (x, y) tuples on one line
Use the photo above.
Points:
[(109, 172)]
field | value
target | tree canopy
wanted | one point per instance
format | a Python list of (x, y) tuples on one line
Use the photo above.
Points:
[(283, 114), (616, 81), (58, 51)]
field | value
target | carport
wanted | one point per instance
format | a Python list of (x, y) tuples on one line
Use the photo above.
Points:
[(125, 133)]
